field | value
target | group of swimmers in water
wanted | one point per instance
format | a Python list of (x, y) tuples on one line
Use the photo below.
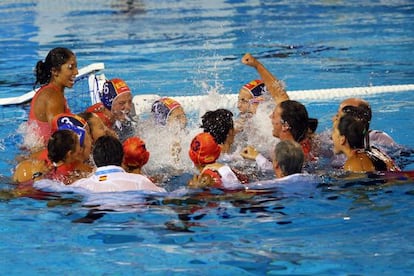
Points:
[(101, 150)]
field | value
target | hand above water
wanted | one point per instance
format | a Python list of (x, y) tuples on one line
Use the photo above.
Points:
[(249, 152), (248, 59)]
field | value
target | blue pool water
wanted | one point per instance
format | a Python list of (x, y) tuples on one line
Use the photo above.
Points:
[(191, 48)]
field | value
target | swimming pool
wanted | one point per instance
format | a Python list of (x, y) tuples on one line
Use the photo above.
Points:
[(190, 48)]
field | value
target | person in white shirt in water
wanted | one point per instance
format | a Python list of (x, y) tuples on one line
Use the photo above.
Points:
[(110, 176)]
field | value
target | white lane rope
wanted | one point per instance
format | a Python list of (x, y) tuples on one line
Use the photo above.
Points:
[(142, 103)]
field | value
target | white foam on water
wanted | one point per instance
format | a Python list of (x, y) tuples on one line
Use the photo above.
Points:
[(30, 138)]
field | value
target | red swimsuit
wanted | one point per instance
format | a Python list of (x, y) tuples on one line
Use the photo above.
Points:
[(43, 129)]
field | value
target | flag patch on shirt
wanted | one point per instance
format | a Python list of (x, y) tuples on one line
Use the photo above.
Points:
[(103, 177)]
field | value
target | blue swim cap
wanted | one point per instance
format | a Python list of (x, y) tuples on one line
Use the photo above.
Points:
[(111, 89), (162, 109), (256, 88), (70, 122)]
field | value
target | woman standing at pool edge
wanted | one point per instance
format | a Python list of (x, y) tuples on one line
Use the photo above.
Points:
[(57, 72)]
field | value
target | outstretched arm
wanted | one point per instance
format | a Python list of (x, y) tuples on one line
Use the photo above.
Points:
[(273, 85)]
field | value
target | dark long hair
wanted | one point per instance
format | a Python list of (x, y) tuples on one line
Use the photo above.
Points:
[(362, 112), (354, 130), (60, 143), (296, 115), (54, 60)]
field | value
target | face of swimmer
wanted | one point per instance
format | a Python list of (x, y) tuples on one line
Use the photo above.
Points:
[(244, 102), (277, 121), (177, 116), (66, 74), (122, 106), (337, 139)]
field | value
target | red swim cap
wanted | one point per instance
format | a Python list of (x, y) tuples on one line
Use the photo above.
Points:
[(135, 152), (204, 149)]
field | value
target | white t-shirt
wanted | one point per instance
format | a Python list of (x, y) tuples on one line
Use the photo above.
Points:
[(263, 163), (116, 179), (294, 184), (229, 178)]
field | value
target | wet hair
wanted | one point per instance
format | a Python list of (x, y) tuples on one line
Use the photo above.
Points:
[(366, 109), (290, 157), (60, 143), (295, 114), (54, 60), (363, 113), (312, 124), (218, 123), (108, 151), (354, 129), (358, 119)]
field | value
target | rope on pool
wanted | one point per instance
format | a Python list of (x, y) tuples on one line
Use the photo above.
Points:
[(143, 102)]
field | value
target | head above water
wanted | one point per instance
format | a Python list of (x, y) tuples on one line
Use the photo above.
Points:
[(71, 122), (167, 110), (135, 152), (356, 102), (352, 128), (53, 63), (108, 151), (117, 97), (290, 119), (250, 95), (64, 146), (204, 149), (219, 123), (288, 158)]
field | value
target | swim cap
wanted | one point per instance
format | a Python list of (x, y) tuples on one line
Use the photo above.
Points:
[(162, 108), (71, 122), (135, 152), (256, 89), (111, 89), (204, 149), (99, 109)]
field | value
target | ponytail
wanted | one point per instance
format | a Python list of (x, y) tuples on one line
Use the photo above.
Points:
[(54, 60)]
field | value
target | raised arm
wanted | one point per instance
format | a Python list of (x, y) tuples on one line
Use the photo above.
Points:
[(273, 85)]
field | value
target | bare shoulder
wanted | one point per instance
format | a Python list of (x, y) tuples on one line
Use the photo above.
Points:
[(359, 163), (48, 97)]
